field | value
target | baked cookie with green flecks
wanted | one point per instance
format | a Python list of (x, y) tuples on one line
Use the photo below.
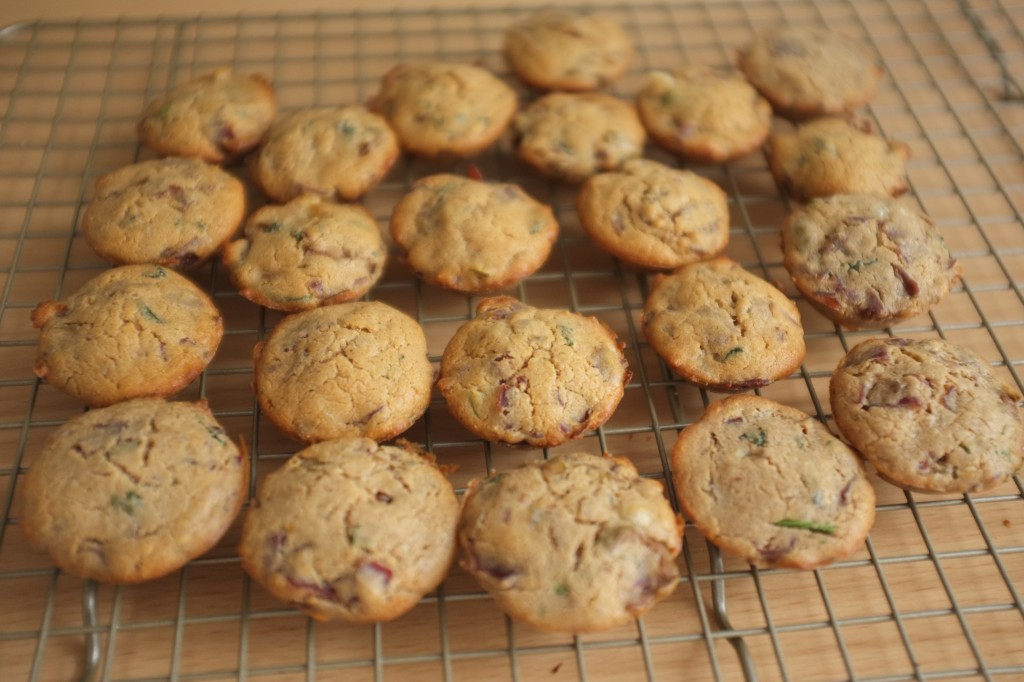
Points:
[(867, 261), (132, 492), (351, 530), (571, 136), (771, 485), (808, 71), (833, 156), (654, 216), (705, 115), (578, 543), (175, 212), (215, 117), (344, 370), (521, 375), (337, 152), (129, 332), (930, 415), (558, 50), (306, 253), (722, 327), (442, 109), (472, 236)]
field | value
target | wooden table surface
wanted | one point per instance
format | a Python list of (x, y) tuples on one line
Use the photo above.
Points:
[(935, 592)]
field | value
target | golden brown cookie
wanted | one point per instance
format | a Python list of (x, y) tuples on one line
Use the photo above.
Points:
[(559, 50), (344, 370), (572, 136), (308, 253), (866, 261), (129, 332), (472, 236), (522, 375), (808, 71), (930, 415), (703, 114), (216, 117), (336, 152), (445, 109), (348, 529), (832, 156), (771, 485), (132, 492), (174, 212), (722, 327), (578, 543), (654, 216)]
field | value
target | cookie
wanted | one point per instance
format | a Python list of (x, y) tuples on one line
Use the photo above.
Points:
[(129, 332), (572, 136), (526, 376), (557, 50), (308, 253), (866, 261), (723, 328), (703, 114), (174, 212), (832, 156), (578, 543), (445, 109), (654, 216), (351, 530), (930, 415), (807, 71), (472, 236), (216, 117), (344, 370), (771, 485), (132, 492), (336, 152)]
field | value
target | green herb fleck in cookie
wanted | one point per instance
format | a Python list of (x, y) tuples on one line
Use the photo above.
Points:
[(217, 433), (758, 438), (562, 590), (722, 357), (567, 335), (128, 503), (148, 313), (826, 528), (155, 273)]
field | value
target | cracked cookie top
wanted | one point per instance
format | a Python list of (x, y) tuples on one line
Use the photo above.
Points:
[(867, 261), (445, 109), (808, 71), (558, 50), (472, 236), (344, 370), (129, 332), (654, 216), (722, 327), (572, 136), (173, 212), (336, 152), (522, 375), (132, 492), (307, 253), (349, 529), (771, 485), (703, 114), (216, 117), (833, 156), (930, 415), (578, 543)]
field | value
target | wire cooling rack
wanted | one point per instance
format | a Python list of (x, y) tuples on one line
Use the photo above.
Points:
[(935, 593)]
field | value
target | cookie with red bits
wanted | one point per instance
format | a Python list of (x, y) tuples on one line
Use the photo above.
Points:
[(771, 485)]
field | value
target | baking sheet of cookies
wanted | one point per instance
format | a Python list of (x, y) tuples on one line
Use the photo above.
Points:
[(934, 593)]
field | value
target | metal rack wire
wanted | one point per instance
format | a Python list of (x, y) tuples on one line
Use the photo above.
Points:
[(934, 594)]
